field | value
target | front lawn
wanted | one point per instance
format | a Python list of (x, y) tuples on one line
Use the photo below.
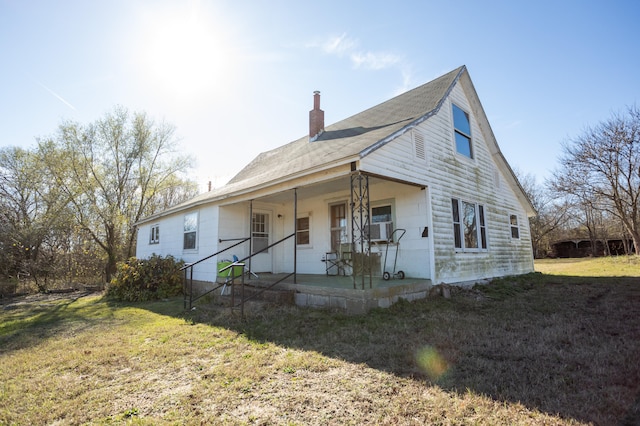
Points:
[(539, 349)]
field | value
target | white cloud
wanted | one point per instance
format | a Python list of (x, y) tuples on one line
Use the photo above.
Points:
[(407, 80), (344, 45), (374, 60), (337, 45)]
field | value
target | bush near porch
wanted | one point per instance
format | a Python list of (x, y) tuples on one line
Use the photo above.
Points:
[(139, 280)]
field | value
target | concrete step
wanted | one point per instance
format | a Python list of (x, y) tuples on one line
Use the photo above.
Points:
[(258, 292)]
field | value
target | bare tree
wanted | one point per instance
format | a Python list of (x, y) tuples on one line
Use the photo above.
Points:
[(602, 167), (112, 171), (551, 217)]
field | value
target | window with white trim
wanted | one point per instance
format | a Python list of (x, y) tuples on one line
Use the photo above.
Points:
[(154, 237), (190, 231), (515, 229), (462, 131), (381, 226), (469, 226), (303, 231)]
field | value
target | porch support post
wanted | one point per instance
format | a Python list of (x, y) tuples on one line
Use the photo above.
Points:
[(295, 238), (360, 240)]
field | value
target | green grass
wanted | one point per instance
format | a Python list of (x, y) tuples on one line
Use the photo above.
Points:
[(620, 266), (538, 349)]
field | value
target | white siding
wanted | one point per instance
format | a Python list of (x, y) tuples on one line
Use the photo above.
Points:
[(450, 175), (397, 160), (171, 240), (410, 211)]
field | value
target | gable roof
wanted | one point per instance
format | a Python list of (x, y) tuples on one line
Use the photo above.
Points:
[(351, 139), (357, 135)]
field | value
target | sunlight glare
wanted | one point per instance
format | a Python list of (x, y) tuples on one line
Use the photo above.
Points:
[(185, 55)]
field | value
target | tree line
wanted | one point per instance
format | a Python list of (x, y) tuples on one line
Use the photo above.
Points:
[(594, 193), (68, 207)]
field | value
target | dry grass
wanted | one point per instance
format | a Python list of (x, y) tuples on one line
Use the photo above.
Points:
[(620, 266), (542, 349)]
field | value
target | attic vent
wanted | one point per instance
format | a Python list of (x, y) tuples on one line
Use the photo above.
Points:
[(418, 146), (496, 179)]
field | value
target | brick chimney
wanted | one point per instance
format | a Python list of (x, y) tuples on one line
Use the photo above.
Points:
[(316, 118)]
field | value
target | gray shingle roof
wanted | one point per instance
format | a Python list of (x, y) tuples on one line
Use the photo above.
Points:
[(346, 140), (353, 136)]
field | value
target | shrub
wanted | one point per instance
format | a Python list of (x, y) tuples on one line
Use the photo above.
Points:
[(138, 280)]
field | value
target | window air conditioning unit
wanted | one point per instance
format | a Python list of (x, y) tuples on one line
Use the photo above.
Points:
[(380, 231)]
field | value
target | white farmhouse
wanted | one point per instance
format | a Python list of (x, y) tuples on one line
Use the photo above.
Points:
[(407, 194)]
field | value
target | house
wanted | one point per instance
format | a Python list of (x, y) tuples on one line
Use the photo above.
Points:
[(416, 185)]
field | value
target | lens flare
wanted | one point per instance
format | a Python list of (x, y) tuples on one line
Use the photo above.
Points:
[(431, 362)]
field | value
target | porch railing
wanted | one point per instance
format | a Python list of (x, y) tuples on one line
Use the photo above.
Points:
[(188, 270), (239, 262), (188, 275)]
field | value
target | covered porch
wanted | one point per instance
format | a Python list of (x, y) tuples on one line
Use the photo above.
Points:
[(350, 224), (331, 241)]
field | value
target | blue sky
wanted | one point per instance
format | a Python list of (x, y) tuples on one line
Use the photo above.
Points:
[(237, 77)]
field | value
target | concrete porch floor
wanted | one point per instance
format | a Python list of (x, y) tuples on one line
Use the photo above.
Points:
[(331, 281), (337, 292)]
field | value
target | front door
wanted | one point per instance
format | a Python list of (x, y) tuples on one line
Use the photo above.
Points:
[(261, 238)]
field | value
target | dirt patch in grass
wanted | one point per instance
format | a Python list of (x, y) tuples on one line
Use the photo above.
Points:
[(536, 350)]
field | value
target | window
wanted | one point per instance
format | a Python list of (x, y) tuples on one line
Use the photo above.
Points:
[(462, 131), (303, 231), (154, 238), (381, 214), (515, 230), (260, 232), (381, 228), (483, 227), (338, 217), (190, 230), (469, 228)]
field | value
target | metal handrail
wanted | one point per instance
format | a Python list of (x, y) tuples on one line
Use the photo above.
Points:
[(190, 278), (239, 262), (191, 265), (268, 247)]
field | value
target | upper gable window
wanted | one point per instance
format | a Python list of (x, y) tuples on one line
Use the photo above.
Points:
[(462, 131)]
